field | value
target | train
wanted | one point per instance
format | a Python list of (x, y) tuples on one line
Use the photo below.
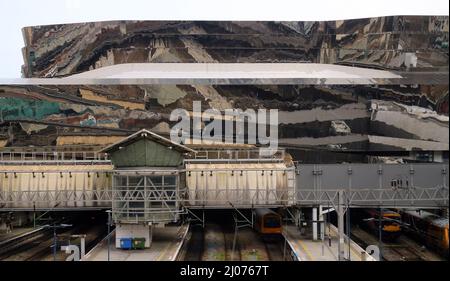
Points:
[(390, 223), (268, 222), (429, 228)]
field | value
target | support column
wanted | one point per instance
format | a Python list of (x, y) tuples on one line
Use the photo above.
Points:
[(83, 246), (321, 224), (314, 224), (297, 217), (301, 222), (341, 213), (150, 234)]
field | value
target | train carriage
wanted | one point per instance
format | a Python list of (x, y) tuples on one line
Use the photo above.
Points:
[(267, 221), (429, 228), (390, 223)]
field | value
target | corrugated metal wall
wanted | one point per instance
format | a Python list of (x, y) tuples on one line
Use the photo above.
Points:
[(239, 184), (47, 186)]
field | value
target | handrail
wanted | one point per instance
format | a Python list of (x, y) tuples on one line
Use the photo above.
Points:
[(46, 156), (235, 155)]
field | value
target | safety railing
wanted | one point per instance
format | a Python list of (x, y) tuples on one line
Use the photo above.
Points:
[(45, 157), (433, 197), (136, 215), (235, 155)]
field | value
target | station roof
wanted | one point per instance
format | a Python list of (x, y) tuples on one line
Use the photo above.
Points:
[(237, 74), (146, 134), (232, 71)]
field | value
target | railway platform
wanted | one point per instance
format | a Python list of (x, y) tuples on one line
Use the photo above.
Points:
[(305, 249), (4, 236), (165, 246)]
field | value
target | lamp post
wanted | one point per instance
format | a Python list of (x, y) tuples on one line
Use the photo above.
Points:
[(109, 233), (54, 227), (380, 239)]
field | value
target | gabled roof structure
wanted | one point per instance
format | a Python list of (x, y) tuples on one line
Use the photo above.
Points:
[(146, 134)]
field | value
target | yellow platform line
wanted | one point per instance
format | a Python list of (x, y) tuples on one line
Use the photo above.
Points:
[(308, 253), (355, 252), (299, 242), (164, 252)]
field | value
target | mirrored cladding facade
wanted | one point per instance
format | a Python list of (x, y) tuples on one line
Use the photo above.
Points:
[(393, 42)]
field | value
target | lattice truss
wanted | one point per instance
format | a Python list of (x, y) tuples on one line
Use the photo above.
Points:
[(147, 195)]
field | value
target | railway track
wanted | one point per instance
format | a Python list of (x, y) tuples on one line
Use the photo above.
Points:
[(400, 252), (25, 242), (35, 253), (194, 246), (277, 250), (94, 234), (215, 243), (37, 245), (22, 242), (403, 249)]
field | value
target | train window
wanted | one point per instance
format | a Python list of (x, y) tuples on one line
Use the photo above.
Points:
[(270, 221)]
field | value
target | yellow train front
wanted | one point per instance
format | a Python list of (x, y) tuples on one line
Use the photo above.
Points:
[(267, 222), (390, 223)]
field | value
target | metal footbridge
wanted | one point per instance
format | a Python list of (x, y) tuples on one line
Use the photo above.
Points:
[(85, 180)]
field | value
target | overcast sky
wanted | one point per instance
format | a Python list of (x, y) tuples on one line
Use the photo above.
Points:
[(15, 14)]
